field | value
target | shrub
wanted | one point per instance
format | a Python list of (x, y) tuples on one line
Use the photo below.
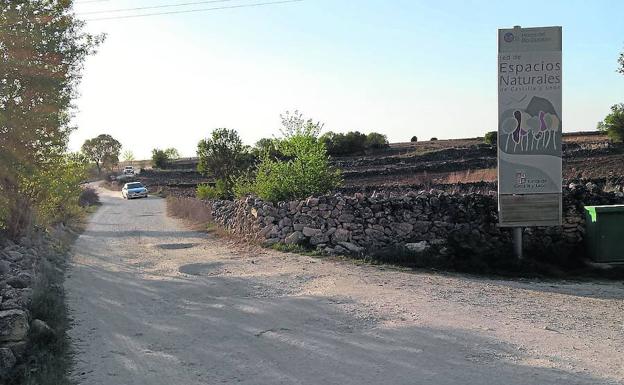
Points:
[(54, 190), (353, 142), (491, 138), (377, 141), (302, 171), (88, 197), (414, 139), (613, 124), (218, 191), (243, 186), (433, 139)]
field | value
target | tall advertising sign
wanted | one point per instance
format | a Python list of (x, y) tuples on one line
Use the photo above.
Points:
[(529, 126)]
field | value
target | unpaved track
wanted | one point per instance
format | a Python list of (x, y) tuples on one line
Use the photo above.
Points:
[(155, 303)]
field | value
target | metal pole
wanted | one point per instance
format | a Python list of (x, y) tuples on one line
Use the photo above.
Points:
[(517, 240)]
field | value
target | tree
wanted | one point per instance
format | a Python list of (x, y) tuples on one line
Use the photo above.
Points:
[(295, 124), (128, 156), (160, 159), (103, 150), (613, 123), (621, 64), (433, 139), (42, 50), (172, 153), (223, 156), (414, 139), (376, 141), (266, 146), (490, 138)]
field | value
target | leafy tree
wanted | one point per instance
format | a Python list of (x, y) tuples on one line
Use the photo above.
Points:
[(295, 124), (621, 64), (128, 156), (613, 124), (414, 139), (433, 139), (160, 159), (223, 156), (42, 51), (266, 146), (103, 150), (172, 153), (376, 141), (490, 138)]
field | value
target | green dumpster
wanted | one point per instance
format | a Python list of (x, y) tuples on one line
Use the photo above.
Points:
[(605, 233)]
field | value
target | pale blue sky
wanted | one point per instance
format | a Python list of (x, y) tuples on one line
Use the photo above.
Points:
[(402, 68)]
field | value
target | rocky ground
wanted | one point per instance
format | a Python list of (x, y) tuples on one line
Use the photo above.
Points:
[(156, 303)]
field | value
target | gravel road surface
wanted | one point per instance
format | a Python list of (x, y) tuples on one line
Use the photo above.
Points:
[(156, 303)]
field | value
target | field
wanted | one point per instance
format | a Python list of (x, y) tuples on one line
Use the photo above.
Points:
[(465, 165)]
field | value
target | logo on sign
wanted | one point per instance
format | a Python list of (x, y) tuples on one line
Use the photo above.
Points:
[(520, 177), (509, 37)]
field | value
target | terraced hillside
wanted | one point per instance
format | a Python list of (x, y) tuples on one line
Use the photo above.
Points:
[(467, 165)]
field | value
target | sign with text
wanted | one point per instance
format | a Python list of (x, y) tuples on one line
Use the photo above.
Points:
[(529, 126)]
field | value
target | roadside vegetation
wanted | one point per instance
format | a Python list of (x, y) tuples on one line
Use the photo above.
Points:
[(42, 51), (295, 165), (613, 123)]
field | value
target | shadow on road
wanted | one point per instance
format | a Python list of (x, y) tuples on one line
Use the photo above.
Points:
[(228, 329)]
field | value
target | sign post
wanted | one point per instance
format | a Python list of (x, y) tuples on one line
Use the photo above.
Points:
[(529, 129)]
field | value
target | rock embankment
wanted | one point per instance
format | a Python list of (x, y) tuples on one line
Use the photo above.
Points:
[(416, 220), (19, 271)]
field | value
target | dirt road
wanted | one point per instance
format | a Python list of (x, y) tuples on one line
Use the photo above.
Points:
[(155, 303)]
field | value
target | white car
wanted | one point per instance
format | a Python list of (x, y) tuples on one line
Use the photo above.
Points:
[(134, 190), (128, 170)]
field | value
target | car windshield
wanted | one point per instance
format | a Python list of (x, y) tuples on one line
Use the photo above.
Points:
[(135, 185)]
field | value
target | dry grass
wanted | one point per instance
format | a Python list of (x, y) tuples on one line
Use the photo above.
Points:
[(468, 176), (196, 212), (454, 177)]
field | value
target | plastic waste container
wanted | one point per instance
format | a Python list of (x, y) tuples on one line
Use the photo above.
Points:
[(605, 233)]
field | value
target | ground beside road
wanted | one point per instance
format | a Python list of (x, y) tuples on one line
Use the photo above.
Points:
[(156, 303)]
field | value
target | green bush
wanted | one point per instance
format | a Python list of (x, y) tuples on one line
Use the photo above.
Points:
[(353, 142), (613, 124), (377, 141), (308, 172), (302, 168), (491, 138), (243, 186), (218, 191)]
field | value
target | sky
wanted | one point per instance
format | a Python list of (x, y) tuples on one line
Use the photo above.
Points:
[(398, 67)]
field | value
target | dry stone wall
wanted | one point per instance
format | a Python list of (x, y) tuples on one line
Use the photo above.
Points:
[(365, 223), (19, 265)]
